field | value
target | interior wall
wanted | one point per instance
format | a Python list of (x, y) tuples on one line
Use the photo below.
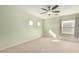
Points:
[(51, 24), (14, 28), (54, 25)]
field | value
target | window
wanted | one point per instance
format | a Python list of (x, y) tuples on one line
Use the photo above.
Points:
[(68, 27)]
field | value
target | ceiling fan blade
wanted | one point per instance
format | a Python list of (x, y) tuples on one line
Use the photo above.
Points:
[(56, 11), (44, 9), (49, 7), (43, 12), (55, 7)]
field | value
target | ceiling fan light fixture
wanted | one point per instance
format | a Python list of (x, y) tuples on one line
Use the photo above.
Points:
[(49, 13)]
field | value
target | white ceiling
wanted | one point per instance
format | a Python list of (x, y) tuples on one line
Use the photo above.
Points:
[(64, 10)]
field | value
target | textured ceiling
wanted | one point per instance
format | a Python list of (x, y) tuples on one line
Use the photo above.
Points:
[(36, 10)]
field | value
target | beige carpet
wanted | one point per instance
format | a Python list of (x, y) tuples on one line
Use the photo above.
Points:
[(44, 45)]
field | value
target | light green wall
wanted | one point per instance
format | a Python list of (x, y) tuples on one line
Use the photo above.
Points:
[(54, 25), (14, 28)]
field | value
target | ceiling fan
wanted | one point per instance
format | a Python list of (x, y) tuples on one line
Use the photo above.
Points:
[(50, 9)]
